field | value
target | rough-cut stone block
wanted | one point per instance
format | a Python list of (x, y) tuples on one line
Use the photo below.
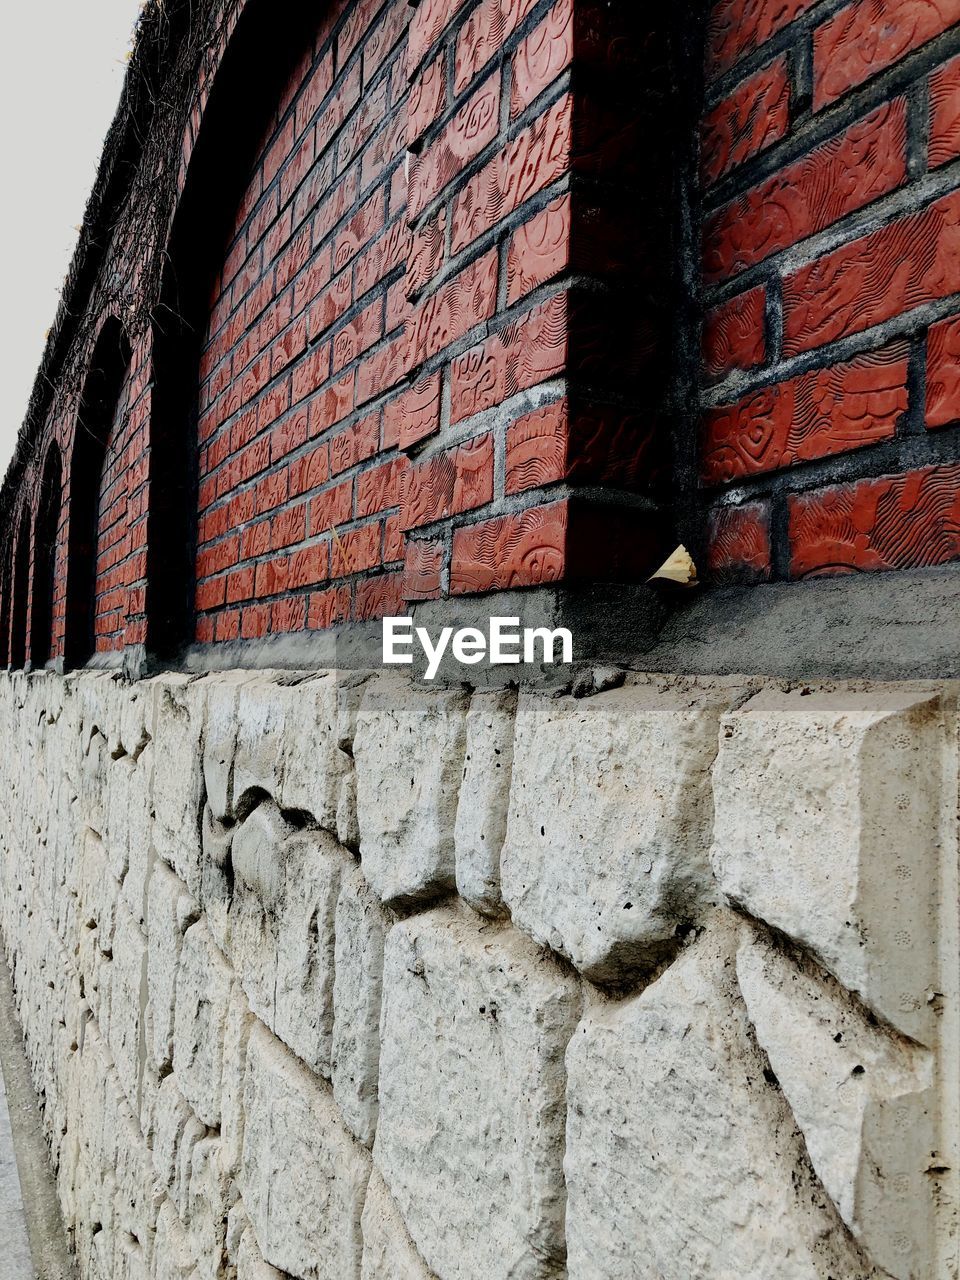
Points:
[(361, 926), (139, 833), (282, 928), (178, 785), (828, 814), (170, 912), (470, 1137), (863, 1099), (174, 1257), (221, 693), (681, 1159), (388, 1251), (481, 826), (250, 1263), (609, 830), (203, 992), (236, 1035), (129, 972), (303, 1176), (409, 748)]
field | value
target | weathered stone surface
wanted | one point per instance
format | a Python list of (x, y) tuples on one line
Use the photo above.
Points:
[(202, 995), (481, 826), (607, 845), (129, 972), (282, 928), (863, 1099), (388, 1251), (361, 926), (681, 1159), (170, 912), (409, 748), (827, 827), (178, 786), (239, 1024), (175, 1260), (250, 1263), (303, 1175), (475, 1023)]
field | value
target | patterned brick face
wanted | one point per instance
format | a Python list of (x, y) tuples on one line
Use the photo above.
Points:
[(372, 299), (830, 213)]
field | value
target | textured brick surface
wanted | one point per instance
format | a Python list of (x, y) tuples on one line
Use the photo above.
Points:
[(823, 412), (754, 116)]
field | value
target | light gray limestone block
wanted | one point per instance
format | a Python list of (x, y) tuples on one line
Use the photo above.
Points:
[(178, 787), (361, 927), (388, 1251), (864, 1100), (204, 980), (606, 856), (681, 1159), (170, 912), (409, 748), (484, 802), (303, 1176), (282, 928), (828, 826), (470, 1136)]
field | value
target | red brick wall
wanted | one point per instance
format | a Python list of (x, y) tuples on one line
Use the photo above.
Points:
[(831, 233), (394, 399)]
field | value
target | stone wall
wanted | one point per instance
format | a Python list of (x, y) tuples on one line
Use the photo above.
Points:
[(372, 981)]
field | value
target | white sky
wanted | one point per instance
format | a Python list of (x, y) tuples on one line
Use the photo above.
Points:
[(61, 71)]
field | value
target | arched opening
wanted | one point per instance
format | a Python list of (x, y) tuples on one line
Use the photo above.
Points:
[(46, 527), (98, 406), (260, 58), (21, 573)]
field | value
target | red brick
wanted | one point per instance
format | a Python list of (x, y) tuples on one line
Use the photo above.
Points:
[(379, 488), (254, 622), (227, 625), (288, 615), (738, 543), (538, 156), (734, 334), (332, 507), (474, 126), (755, 115), (537, 447), (394, 540), (427, 26), (945, 113), (309, 565), (840, 176), (427, 96), (869, 35), (426, 252), (884, 274), (457, 307), (414, 415), (520, 550), (288, 527), (354, 445), (328, 607), (897, 522), (817, 414), (309, 471), (356, 550), (540, 249), (358, 335), (458, 480), (378, 597), (527, 352), (737, 27), (943, 373), (422, 570), (545, 54), (483, 35)]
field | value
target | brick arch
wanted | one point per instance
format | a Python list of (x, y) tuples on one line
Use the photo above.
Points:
[(95, 418), (20, 591), (6, 583), (269, 40), (46, 530)]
